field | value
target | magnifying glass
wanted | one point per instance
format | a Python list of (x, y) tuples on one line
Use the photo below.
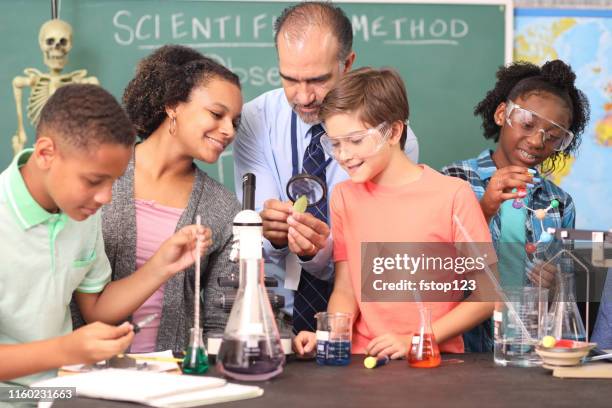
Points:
[(307, 185)]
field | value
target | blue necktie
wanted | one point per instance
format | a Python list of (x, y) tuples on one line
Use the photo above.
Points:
[(312, 293)]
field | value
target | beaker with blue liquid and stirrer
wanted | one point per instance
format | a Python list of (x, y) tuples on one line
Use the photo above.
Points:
[(334, 332)]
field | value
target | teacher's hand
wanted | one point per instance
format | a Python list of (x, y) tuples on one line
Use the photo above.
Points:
[(274, 216), (306, 234)]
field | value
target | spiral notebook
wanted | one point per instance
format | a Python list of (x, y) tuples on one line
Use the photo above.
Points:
[(153, 389)]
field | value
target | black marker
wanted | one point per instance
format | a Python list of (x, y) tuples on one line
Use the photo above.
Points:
[(138, 326)]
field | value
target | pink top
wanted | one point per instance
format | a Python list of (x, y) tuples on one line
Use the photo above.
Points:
[(421, 211), (154, 224)]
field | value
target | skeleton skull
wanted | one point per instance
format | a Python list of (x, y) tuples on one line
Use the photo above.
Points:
[(55, 40)]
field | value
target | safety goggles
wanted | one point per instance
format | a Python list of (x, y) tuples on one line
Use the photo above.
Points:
[(359, 144), (530, 123)]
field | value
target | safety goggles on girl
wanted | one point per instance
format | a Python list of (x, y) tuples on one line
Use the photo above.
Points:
[(529, 123), (358, 144)]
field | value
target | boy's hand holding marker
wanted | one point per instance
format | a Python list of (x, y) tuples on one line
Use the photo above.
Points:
[(95, 342)]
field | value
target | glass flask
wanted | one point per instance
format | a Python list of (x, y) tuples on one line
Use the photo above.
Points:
[(251, 349), (565, 320), (519, 322), (196, 358), (424, 351)]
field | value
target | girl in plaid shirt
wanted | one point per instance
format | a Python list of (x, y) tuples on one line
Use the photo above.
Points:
[(536, 115)]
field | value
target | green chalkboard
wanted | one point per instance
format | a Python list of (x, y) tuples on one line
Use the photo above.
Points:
[(446, 53)]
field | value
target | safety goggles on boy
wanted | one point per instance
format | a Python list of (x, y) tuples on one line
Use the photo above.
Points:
[(530, 123), (358, 144)]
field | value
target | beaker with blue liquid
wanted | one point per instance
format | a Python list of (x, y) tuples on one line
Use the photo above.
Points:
[(334, 332)]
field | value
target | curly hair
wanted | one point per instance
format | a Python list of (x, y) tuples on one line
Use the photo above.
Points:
[(522, 78), (85, 116), (164, 79)]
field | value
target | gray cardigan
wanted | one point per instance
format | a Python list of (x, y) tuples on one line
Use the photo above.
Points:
[(217, 207)]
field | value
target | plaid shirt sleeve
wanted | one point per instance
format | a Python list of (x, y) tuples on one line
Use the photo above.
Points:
[(466, 171)]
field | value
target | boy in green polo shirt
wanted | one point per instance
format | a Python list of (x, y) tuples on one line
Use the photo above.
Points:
[(52, 240)]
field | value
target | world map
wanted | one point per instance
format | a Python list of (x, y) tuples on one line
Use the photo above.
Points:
[(586, 44)]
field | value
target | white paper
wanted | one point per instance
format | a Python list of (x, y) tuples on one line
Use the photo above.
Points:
[(129, 385), (154, 389), (293, 270), (229, 392)]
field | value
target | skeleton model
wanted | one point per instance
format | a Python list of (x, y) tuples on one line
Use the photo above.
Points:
[(55, 40)]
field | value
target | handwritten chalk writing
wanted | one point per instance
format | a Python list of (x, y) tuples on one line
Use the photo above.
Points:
[(177, 26), (406, 31), (253, 75), (237, 31)]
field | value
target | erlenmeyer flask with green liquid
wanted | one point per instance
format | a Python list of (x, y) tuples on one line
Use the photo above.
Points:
[(196, 357)]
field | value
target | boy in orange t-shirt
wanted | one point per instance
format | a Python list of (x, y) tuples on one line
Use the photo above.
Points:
[(390, 199)]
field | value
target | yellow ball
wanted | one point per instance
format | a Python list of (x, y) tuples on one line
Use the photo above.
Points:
[(549, 341)]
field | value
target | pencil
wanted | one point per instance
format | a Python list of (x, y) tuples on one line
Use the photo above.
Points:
[(160, 359)]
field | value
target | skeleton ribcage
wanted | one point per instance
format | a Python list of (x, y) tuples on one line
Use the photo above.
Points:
[(38, 97), (43, 89)]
